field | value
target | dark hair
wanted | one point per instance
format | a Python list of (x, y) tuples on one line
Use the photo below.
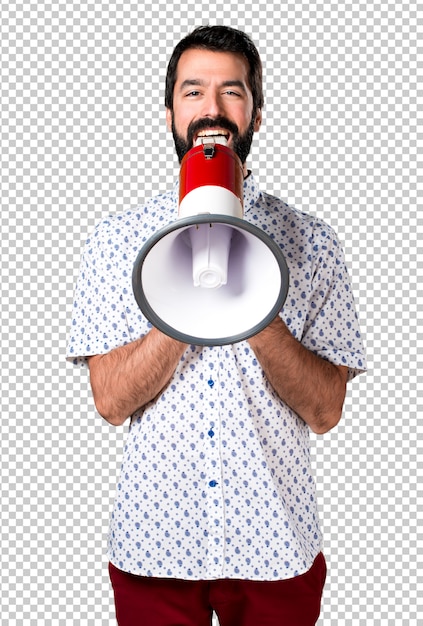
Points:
[(219, 39)]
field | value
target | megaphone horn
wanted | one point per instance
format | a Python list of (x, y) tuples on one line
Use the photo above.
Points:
[(210, 278)]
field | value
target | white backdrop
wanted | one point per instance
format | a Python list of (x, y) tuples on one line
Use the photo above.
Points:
[(83, 135)]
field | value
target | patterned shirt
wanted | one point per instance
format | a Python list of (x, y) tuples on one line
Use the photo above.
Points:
[(216, 479)]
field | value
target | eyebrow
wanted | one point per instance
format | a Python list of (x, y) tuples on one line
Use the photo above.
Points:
[(197, 82)]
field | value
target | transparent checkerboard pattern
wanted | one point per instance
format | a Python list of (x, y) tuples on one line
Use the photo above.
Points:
[(83, 135)]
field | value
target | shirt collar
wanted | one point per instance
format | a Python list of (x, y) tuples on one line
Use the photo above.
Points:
[(251, 192)]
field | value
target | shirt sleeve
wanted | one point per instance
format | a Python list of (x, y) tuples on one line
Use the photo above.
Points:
[(332, 328), (99, 321)]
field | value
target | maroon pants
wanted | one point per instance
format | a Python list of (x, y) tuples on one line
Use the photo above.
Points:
[(142, 601)]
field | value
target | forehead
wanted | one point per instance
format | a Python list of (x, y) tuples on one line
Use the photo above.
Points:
[(199, 64)]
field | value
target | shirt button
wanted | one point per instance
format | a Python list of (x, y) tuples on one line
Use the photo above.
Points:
[(210, 383), (211, 432), (213, 483)]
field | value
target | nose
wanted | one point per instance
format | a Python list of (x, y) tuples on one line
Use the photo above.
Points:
[(212, 106)]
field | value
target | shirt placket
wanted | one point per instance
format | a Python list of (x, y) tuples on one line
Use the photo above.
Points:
[(214, 485)]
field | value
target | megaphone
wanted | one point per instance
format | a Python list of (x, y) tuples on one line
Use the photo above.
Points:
[(210, 278)]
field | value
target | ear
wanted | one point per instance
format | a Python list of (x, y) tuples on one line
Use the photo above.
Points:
[(258, 120), (169, 119)]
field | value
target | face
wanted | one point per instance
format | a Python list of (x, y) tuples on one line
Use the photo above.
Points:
[(212, 94)]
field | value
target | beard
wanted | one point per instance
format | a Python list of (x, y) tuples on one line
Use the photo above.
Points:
[(241, 144)]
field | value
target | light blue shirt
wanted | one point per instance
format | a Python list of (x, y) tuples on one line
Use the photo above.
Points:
[(216, 479)]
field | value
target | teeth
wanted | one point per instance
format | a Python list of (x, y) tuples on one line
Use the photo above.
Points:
[(210, 133), (215, 136)]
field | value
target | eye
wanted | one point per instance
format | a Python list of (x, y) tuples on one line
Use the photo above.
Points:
[(192, 94)]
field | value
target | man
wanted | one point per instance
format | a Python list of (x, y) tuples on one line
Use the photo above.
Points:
[(215, 507)]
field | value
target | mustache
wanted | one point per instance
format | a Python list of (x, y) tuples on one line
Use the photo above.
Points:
[(208, 122)]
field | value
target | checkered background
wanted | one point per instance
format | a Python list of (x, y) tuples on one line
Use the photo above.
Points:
[(82, 135)]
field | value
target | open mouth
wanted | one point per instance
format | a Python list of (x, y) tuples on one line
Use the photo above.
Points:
[(220, 136)]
